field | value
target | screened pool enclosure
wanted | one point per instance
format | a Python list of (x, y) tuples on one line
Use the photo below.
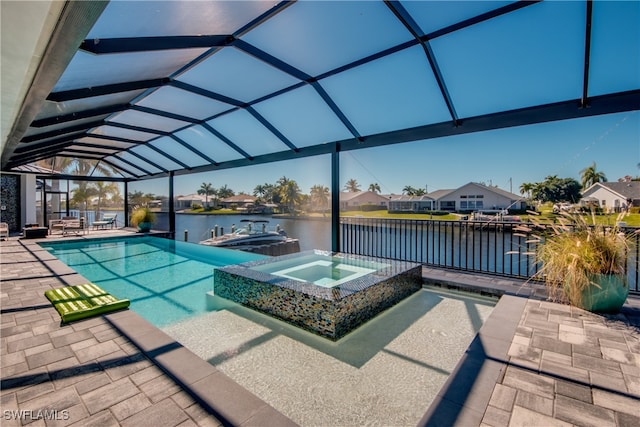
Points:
[(162, 89)]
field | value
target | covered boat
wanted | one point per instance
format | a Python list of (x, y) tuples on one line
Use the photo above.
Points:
[(254, 233)]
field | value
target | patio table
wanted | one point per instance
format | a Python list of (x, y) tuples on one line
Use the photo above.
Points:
[(35, 232)]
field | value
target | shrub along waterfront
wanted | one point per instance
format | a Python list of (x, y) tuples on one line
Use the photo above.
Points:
[(632, 219)]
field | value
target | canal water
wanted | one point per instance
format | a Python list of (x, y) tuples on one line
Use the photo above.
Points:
[(312, 233), (432, 242)]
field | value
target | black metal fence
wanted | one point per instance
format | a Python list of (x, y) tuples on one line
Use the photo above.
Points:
[(485, 247)]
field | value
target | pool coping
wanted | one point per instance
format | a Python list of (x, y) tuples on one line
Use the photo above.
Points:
[(226, 399), (248, 270), (464, 397)]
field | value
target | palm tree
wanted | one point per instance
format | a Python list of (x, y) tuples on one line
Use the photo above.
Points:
[(75, 166), (590, 175), (78, 167), (260, 191), (352, 186), (527, 188), (375, 187), (102, 189), (224, 192), (419, 192), (290, 195), (138, 198), (270, 192), (282, 181), (409, 190), (82, 194), (320, 197), (116, 197), (60, 164), (206, 189)]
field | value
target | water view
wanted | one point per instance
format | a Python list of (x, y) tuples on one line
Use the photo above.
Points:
[(422, 241), (312, 234)]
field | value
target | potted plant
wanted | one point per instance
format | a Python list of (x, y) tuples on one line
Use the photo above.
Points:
[(583, 262), (143, 218)]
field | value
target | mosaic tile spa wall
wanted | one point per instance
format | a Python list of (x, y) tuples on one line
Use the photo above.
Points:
[(329, 312)]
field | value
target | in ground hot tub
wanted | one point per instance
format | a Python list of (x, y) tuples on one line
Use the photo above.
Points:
[(327, 293)]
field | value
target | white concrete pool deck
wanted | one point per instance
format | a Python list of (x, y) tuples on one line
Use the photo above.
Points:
[(533, 362)]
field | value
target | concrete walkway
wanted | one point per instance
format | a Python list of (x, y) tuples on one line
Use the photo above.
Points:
[(532, 363)]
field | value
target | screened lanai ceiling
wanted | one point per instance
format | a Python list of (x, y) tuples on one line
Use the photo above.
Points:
[(149, 88)]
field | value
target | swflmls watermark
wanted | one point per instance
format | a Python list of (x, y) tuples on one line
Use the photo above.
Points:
[(40, 414)]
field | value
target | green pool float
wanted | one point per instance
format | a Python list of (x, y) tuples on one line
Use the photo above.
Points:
[(83, 301)]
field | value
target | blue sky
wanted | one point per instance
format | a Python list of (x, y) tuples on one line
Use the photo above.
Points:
[(485, 72)]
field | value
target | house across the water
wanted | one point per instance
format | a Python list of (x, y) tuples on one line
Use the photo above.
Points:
[(613, 196), (470, 197), (404, 203)]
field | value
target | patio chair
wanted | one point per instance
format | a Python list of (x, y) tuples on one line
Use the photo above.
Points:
[(4, 230), (108, 220)]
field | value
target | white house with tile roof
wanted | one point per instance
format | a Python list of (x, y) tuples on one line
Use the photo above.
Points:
[(241, 201), (474, 196), (186, 202)]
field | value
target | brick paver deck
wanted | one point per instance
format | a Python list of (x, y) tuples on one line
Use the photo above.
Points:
[(87, 372), (563, 366), (567, 367), (91, 373), (533, 362)]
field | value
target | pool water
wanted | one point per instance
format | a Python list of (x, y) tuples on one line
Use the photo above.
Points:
[(321, 270), (385, 373), (165, 280), (324, 273)]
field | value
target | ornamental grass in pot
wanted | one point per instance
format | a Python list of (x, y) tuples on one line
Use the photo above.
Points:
[(143, 218), (583, 262)]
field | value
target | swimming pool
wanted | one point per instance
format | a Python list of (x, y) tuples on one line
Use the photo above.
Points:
[(166, 280), (384, 373)]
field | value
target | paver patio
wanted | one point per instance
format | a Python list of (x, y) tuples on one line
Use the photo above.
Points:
[(567, 366), (87, 371)]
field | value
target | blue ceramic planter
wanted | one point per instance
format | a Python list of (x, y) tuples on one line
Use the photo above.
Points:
[(144, 227), (609, 297)]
